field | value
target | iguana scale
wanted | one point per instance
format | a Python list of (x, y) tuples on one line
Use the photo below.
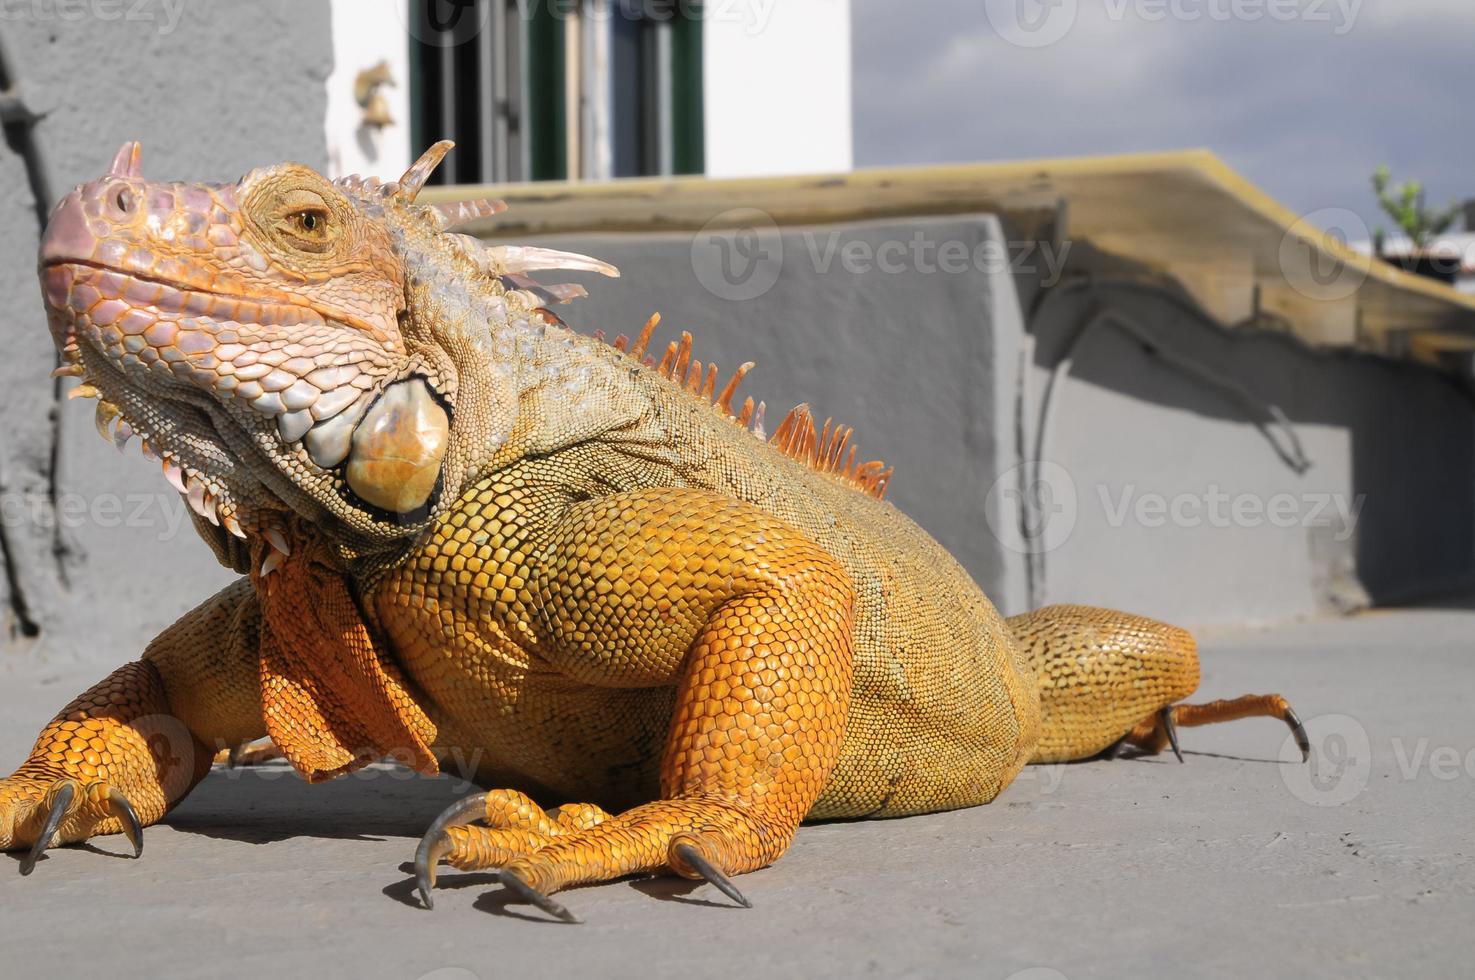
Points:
[(463, 526)]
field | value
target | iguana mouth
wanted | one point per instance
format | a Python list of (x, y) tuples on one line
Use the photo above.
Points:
[(177, 423), (167, 364)]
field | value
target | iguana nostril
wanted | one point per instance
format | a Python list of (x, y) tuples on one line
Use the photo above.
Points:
[(123, 200)]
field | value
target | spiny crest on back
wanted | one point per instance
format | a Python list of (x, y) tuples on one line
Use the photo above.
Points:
[(823, 450)]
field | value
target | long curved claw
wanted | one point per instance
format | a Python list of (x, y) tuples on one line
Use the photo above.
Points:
[(1171, 727), (532, 896), (435, 844), (123, 810), (1298, 731), (1115, 748), (688, 853), (61, 805)]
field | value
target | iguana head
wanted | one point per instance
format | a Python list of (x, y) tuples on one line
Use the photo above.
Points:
[(290, 347)]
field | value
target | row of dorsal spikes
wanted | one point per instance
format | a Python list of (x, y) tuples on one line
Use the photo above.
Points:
[(826, 449)]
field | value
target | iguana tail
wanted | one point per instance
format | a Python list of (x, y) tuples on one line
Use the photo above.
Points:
[(1109, 678)]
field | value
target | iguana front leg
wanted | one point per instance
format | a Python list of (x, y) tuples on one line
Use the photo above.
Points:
[(752, 623), (121, 755)]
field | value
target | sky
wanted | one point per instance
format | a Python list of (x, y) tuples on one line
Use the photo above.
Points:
[(1303, 97)]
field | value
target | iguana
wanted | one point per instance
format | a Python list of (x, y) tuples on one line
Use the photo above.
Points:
[(463, 526)]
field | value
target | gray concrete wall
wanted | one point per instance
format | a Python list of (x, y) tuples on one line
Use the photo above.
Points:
[(1182, 502), (212, 89), (1173, 493), (862, 322)]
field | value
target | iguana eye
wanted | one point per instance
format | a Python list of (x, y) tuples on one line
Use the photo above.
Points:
[(307, 229), (310, 223)]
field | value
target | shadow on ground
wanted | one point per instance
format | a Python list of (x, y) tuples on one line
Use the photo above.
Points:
[(265, 804)]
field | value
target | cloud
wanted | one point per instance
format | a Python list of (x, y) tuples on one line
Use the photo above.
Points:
[(1303, 107)]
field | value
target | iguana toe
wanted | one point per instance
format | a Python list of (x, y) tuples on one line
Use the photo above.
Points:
[(1170, 729), (65, 798), (132, 827), (685, 854), (516, 827), (532, 896), (59, 803), (1160, 729), (1298, 732), (436, 844)]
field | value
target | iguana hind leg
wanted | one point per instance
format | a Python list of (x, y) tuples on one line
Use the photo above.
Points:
[(1109, 679)]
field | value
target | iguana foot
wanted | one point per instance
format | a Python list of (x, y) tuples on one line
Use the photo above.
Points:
[(1161, 730), (109, 763), (514, 826), (38, 810), (540, 852), (254, 753)]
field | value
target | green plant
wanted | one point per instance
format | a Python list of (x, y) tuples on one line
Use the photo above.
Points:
[(1406, 207)]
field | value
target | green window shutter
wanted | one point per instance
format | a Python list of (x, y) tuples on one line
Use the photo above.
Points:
[(547, 78), (688, 132)]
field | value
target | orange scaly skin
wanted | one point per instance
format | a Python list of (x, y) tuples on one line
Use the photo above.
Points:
[(468, 529)]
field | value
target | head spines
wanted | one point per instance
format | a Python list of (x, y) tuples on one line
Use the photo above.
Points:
[(129, 161), (457, 213), (419, 172)]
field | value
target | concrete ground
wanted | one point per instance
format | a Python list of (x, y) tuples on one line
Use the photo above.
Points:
[(1232, 865)]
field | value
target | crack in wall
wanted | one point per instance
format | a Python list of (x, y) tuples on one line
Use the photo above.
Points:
[(17, 122)]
